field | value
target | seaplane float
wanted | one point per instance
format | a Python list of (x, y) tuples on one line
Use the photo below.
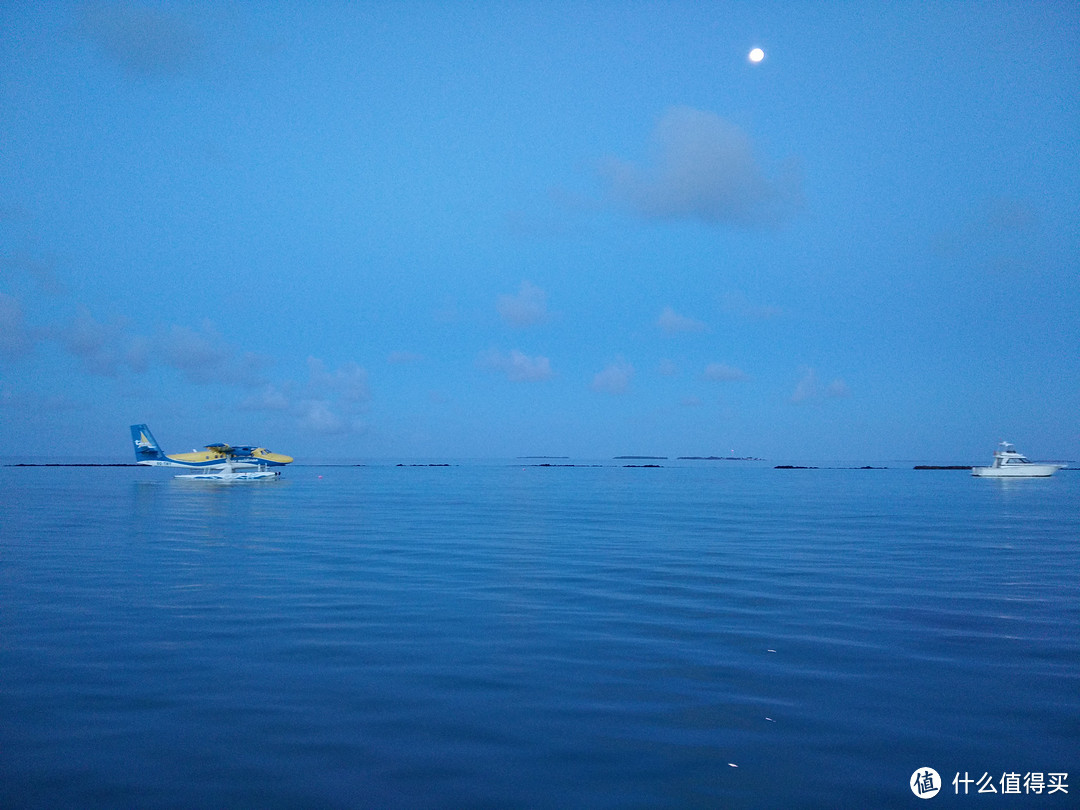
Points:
[(216, 462)]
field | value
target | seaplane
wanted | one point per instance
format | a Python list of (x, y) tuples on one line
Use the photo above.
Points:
[(216, 462)]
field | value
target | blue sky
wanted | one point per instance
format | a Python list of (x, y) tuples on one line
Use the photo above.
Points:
[(434, 230)]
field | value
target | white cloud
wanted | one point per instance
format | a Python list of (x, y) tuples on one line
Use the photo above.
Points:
[(401, 358), (1008, 214), (268, 398), (15, 338), (837, 389), (615, 379), (704, 169), (721, 372), (31, 402), (330, 403), (105, 348), (348, 382), (517, 365), (201, 355), (810, 388), (668, 368), (249, 369), (109, 348), (672, 322), (807, 386), (147, 40), (737, 304), (318, 417), (527, 308), (204, 357), (20, 266)]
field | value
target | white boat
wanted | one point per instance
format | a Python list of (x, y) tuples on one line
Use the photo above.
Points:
[(1010, 464), (230, 473)]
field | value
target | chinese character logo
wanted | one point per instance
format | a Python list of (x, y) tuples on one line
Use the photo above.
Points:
[(925, 783), (1010, 782)]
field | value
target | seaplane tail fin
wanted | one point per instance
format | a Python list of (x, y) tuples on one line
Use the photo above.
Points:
[(147, 450)]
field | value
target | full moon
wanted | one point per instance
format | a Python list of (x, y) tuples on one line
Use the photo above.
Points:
[(757, 55)]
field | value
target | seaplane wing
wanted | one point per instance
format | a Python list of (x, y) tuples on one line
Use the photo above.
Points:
[(219, 457)]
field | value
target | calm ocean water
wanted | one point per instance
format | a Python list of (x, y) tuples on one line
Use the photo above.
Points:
[(493, 635)]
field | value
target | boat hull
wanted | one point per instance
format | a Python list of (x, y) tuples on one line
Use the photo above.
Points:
[(1019, 471)]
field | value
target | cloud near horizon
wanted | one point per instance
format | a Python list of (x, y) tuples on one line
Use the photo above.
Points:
[(15, 338), (335, 399), (348, 382), (721, 372), (146, 40), (705, 169), (318, 416), (404, 358), (330, 403), (270, 397), (738, 305), (673, 323), (614, 379), (202, 355), (105, 348), (517, 366), (809, 388), (527, 308)]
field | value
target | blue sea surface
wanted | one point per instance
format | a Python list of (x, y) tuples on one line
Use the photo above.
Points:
[(507, 635)]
